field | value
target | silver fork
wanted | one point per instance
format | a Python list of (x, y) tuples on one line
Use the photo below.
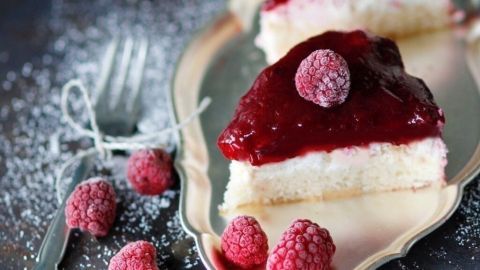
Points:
[(117, 110)]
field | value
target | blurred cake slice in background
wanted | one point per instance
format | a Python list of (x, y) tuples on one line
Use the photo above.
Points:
[(284, 23)]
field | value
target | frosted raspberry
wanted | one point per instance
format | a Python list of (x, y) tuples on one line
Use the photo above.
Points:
[(304, 245), (91, 207), (150, 171), (323, 78), (140, 255), (244, 243)]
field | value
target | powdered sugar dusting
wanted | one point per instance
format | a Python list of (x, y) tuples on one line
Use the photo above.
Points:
[(65, 39), (467, 233), (71, 38)]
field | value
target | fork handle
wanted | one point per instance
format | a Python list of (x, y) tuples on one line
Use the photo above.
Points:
[(55, 241)]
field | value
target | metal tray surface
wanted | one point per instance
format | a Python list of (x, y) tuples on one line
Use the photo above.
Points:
[(222, 62)]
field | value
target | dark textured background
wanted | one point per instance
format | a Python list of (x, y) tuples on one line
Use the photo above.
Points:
[(27, 34)]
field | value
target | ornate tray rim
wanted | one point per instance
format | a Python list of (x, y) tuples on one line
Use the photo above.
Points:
[(230, 26)]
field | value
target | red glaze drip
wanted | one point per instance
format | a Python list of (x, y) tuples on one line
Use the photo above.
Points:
[(272, 4), (273, 123)]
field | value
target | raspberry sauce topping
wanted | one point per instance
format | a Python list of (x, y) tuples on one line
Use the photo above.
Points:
[(273, 122)]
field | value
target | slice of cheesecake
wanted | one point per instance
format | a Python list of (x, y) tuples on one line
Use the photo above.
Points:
[(284, 23), (385, 136)]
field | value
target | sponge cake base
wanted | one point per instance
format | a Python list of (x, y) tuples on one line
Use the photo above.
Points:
[(340, 173)]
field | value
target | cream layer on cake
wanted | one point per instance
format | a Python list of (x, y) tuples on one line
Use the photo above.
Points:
[(287, 24), (339, 173)]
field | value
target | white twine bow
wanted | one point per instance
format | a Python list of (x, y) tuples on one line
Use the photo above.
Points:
[(104, 144)]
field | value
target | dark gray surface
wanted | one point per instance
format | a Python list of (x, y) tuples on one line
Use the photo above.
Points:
[(29, 33)]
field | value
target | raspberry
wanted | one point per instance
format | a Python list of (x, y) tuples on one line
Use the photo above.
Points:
[(304, 245), (150, 171), (244, 243), (323, 78), (140, 255), (91, 207)]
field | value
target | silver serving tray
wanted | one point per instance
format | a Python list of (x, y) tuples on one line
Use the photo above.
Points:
[(222, 62)]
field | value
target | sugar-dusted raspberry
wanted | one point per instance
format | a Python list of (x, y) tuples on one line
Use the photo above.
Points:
[(150, 171), (304, 245), (91, 207), (139, 255), (244, 243), (323, 78)]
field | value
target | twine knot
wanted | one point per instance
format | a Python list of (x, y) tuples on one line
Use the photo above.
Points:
[(104, 144)]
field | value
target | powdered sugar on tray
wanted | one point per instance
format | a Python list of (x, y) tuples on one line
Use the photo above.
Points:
[(35, 140), (468, 232)]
